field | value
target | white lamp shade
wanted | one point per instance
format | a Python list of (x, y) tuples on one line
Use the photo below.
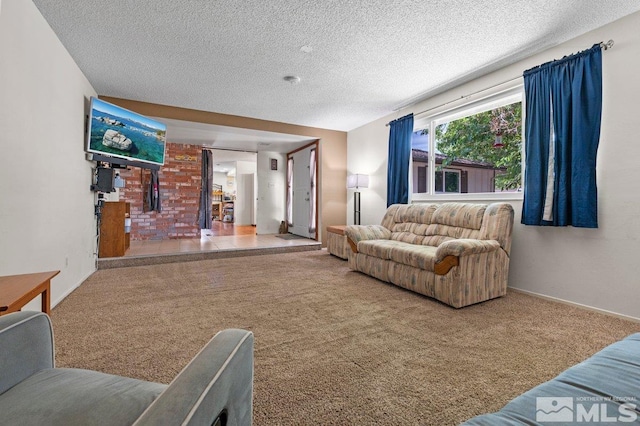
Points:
[(358, 181)]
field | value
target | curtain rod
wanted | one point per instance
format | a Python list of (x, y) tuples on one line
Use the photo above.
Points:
[(605, 46)]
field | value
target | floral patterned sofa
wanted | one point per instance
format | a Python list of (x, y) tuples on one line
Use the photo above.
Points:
[(457, 253)]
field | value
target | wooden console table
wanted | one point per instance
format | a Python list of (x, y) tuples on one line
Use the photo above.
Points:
[(18, 290), (114, 238)]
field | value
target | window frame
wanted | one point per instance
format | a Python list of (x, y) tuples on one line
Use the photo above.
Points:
[(444, 172), (466, 108)]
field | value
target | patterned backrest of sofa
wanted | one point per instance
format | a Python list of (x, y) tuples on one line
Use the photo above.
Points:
[(388, 221), (409, 222), (454, 221), (497, 224), (433, 224)]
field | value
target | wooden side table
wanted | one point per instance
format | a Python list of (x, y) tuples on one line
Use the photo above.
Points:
[(18, 290), (337, 242)]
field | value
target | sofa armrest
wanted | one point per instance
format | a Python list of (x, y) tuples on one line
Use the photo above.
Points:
[(465, 247), (26, 346), (357, 233), (448, 253), (215, 387)]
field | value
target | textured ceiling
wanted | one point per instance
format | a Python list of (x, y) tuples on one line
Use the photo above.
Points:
[(224, 137), (358, 60)]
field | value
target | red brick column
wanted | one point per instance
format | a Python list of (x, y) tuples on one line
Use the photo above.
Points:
[(180, 179)]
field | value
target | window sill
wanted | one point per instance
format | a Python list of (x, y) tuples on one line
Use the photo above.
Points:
[(493, 196)]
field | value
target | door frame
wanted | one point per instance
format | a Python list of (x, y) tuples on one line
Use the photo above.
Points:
[(315, 144)]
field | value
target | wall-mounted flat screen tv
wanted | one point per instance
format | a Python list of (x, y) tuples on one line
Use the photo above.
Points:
[(118, 132)]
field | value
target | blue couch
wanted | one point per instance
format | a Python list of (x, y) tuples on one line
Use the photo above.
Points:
[(216, 387), (604, 389)]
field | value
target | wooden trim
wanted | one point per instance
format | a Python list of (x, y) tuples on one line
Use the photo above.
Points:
[(353, 245), (313, 145), (303, 147), (207, 117), (336, 229), (445, 265), (317, 175)]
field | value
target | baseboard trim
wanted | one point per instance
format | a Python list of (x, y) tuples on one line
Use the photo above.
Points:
[(156, 259), (71, 290), (578, 305)]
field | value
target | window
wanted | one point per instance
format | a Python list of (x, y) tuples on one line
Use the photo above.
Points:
[(447, 180), (476, 148)]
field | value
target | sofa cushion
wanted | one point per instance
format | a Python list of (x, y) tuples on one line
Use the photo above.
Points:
[(418, 256), (378, 248), (356, 233), (414, 213), (453, 221), (422, 257), (412, 233), (410, 222), (608, 379), (68, 396), (462, 215)]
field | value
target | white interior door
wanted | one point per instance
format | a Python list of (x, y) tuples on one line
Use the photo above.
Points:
[(271, 190), (302, 194), (245, 199)]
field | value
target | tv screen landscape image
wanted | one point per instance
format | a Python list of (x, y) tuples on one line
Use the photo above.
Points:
[(118, 132)]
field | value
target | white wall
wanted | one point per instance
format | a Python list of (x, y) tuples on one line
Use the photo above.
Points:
[(367, 154), (245, 204), (220, 178), (598, 268), (46, 213), (271, 192)]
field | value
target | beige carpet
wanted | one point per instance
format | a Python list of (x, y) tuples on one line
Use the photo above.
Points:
[(332, 346)]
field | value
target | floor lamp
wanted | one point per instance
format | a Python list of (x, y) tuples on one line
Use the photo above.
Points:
[(355, 182)]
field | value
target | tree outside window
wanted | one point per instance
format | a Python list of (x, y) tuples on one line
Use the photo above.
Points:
[(473, 140)]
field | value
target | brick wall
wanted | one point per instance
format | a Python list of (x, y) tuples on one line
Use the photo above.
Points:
[(179, 195)]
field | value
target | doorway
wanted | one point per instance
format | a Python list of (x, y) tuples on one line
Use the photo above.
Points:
[(302, 191), (233, 192)]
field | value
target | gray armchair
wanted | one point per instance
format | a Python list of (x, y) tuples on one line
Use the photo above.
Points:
[(216, 387)]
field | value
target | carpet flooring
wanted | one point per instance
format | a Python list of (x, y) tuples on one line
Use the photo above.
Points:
[(332, 346)]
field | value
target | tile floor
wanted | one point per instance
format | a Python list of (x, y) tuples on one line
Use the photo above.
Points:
[(210, 243)]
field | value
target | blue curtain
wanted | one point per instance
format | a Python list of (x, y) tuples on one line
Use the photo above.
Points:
[(399, 155), (562, 132)]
